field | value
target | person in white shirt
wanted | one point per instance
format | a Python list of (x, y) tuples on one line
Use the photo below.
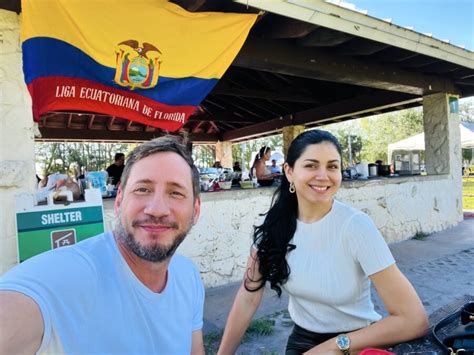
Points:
[(121, 292), (325, 254), (56, 183)]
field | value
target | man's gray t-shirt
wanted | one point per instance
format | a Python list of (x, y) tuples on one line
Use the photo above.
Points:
[(91, 301)]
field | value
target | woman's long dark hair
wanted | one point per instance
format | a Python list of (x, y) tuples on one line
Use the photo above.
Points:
[(273, 237), (259, 156)]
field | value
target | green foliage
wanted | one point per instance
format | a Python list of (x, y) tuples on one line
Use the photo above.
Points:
[(468, 193), (389, 128), (71, 158), (204, 155), (370, 136), (258, 327), (467, 154), (242, 152), (348, 131), (211, 342), (262, 327), (420, 235), (466, 109)]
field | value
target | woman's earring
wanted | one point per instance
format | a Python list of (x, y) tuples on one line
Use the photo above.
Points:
[(292, 188)]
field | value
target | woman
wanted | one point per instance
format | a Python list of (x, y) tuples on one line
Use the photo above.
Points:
[(260, 170), (324, 254)]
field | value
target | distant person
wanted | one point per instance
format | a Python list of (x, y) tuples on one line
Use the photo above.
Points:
[(275, 168), (217, 165), (115, 170), (259, 168), (236, 168), (55, 183), (123, 291), (325, 254)]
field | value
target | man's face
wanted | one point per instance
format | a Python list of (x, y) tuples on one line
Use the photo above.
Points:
[(120, 161), (157, 207)]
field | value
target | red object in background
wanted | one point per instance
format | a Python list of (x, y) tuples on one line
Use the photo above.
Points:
[(374, 351)]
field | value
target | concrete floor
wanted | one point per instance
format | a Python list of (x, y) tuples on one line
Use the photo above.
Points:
[(439, 266)]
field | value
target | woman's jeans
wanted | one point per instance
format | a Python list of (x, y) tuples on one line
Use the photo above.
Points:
[(301, 340)]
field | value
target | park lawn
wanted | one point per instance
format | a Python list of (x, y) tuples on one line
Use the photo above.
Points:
[(468, 193)]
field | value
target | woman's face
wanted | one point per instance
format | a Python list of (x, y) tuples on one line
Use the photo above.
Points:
[(316, 174)]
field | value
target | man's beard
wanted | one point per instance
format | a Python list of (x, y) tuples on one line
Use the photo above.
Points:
[(154, 253)]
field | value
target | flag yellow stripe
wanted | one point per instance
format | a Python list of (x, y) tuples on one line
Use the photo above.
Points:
[(200, 45)]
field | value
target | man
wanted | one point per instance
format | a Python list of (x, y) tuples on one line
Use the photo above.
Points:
[(274, 168), (236, 167), (120, 292), (115, 170)]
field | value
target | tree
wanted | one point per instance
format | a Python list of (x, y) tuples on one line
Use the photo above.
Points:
[(466, 109), (247, 148), (342, 131), (381, 130), (72, 158)]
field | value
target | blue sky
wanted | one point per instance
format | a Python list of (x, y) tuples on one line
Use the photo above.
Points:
[(444, 19)]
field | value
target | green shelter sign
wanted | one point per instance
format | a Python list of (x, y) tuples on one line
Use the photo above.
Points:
[(42, 228)]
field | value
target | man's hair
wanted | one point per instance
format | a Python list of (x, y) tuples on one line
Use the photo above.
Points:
[(119, 156), (168, 143)]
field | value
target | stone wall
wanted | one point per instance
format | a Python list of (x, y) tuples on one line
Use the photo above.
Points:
[(220, 243), (17, 173)]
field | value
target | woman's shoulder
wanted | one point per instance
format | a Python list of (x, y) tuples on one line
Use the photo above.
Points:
[(344, 210), (351, 217)]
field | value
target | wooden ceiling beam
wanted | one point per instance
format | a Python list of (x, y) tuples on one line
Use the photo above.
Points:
[(221, 116), (285, 27), (249, 106), (110, 123), (77, 135), (360, 106), (317, 64), (325, 37), (69, 120), (91, 122), (225, 90)]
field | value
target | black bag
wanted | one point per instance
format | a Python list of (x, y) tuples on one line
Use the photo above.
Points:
[(458, 329)]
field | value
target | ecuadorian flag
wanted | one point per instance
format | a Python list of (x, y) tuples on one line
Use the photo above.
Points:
[(148, 61)]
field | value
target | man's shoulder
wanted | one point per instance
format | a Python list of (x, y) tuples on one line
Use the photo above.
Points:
[(184, 269), (179, 261), (75, 267), (80, 255)]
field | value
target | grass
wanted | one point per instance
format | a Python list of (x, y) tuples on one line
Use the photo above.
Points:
[(420, 235), (259, 327), (211, 342), (262, 327), (468, 193)]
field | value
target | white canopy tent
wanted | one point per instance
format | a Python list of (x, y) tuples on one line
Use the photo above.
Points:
[(417, 142)]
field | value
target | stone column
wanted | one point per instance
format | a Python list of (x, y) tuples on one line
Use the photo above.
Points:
[(443, 142), (17, 165), (442, 136), (290, 133), (224, 154)]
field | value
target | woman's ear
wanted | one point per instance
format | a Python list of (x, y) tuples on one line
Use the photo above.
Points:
[(288, 171)]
